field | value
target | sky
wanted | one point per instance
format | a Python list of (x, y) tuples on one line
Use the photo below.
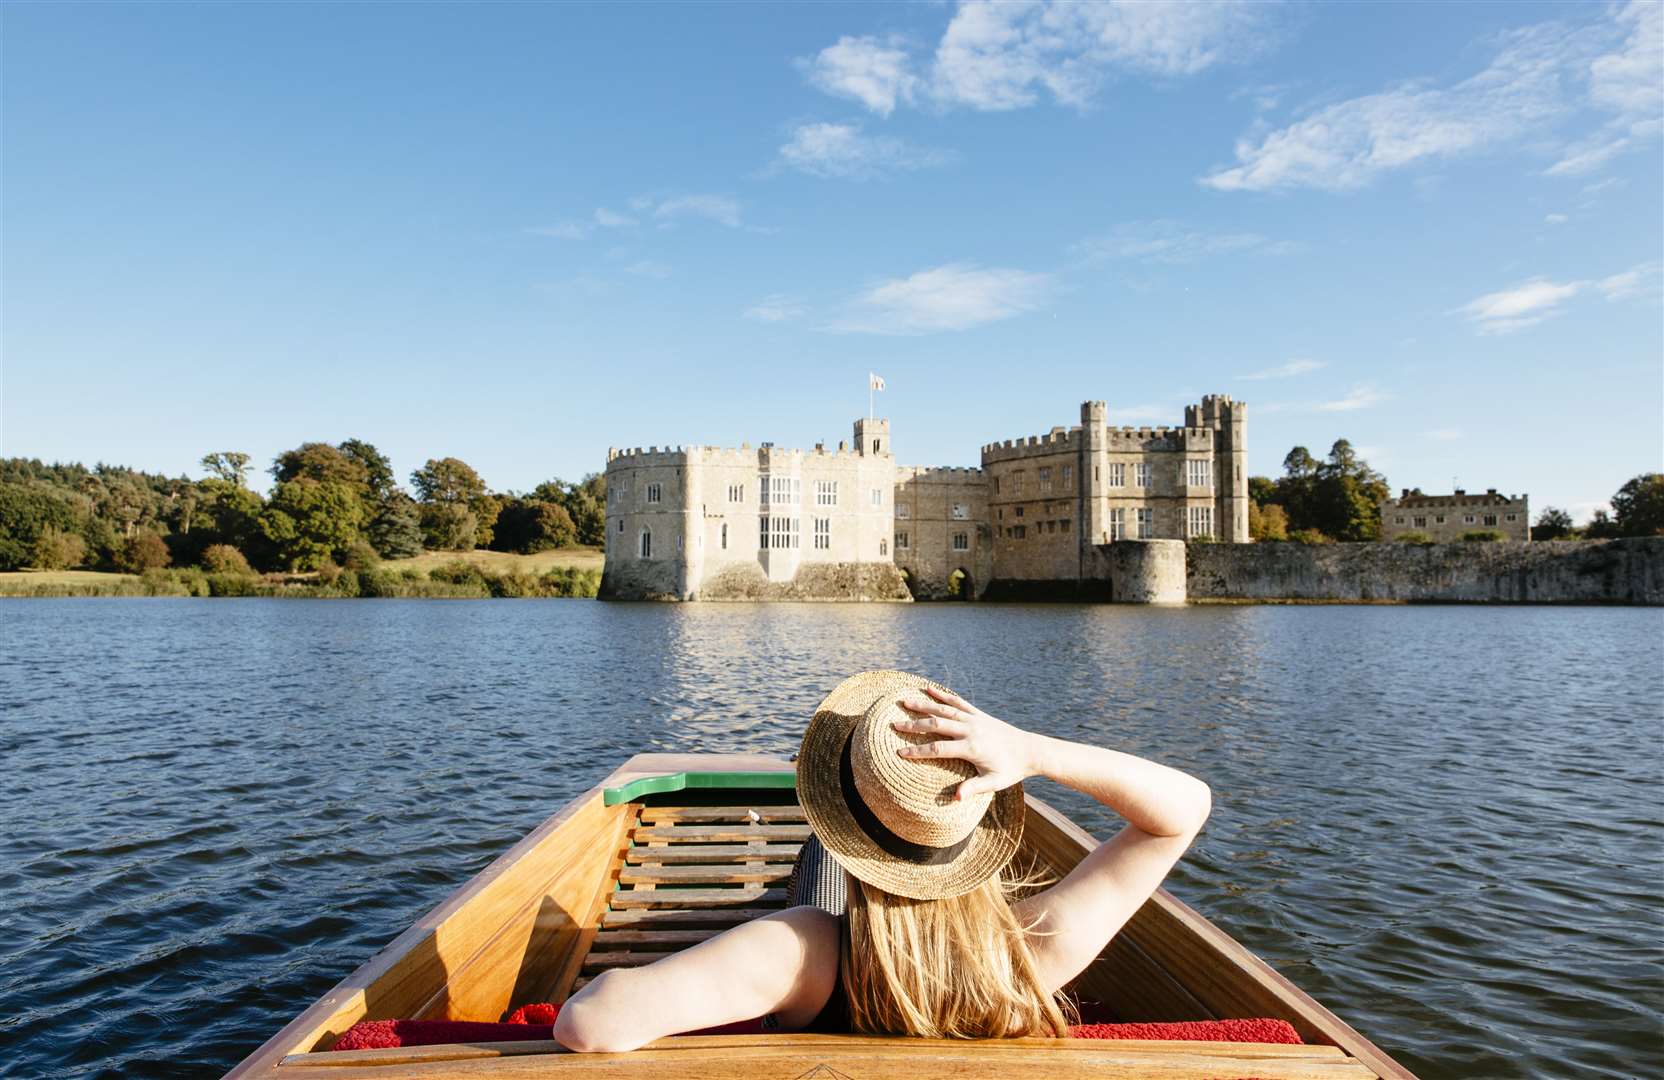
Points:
[(521, 234)]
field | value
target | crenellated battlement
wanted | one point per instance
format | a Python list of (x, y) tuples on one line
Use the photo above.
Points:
[(940, 474), (653, 455)]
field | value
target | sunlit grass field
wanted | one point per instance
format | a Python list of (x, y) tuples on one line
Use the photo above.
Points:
[(503, 562)]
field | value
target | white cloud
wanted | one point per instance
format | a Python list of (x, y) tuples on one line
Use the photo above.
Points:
[(841, 150), (1172, 242), (1638, 281), (1284, 371), (717, 208), (1555, 219), (648, 268), (776, 308), (865, 69), (1523, 305), (1447, 434), (1361, 396), (1539, 75), (957, 296), (999, 56), (608, 219)]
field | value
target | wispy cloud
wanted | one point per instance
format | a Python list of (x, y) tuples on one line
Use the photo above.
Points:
[(1526, 304), (1539, 75), (957, 296), (776, 308), (842, 150), (1361, 396), (1284, 371), (1646, 280), (602, 218), (608, 219), (1001, 56), (1555, 219), (1166, 241), (718, 208)]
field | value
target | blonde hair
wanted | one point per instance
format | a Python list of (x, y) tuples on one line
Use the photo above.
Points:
[(959, 968)]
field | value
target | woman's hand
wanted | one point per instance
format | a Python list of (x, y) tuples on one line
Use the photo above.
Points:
[(1002, 753)]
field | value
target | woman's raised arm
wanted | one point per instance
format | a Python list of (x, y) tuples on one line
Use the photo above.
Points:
[(785, 963), (1164, 809)]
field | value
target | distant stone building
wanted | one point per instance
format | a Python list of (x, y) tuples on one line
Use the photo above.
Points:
[(695, 522), (1447, 517)]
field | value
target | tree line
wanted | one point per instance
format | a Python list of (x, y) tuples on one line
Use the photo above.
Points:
[(1339, 498), (328, 505)]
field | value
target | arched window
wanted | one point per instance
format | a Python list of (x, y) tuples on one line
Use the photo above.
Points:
[(646, 542)]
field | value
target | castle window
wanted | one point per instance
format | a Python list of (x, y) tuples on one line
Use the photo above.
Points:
[(996, 485), (826, 493), (1398, 521), (1001, 513), (736, 493), (782, 533), (960, 512), (646, 542), (1421, 522), (903, 511), (1437, 520), (877, 445), (883, 546), (823, 534), (961, 542), (1045, 479), (620, 524), (1201, 521), (1051, 526), (762, 539), (1019, 511), (652, 493), (1200, 472), (1065, 524), (724, 536), (1141, 474), (1017, 483), (1068, 476), (901, 541), (1118, 524), (1467, 519), (780, 490), (1513, 517), (1146, 523), (1490, 519), (1117, 474), (878, 497)]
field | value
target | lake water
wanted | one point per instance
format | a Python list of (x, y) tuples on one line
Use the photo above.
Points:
[(1443, 822)]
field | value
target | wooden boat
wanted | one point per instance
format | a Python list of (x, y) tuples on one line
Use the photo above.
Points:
[(671, 849)]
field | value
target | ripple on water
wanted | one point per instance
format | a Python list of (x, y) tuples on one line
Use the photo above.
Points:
[(1442, 822)]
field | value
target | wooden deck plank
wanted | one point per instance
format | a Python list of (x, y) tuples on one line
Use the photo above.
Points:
[(696, 898), (723, 834), (766, 814), (716, 917), (741, 874), (600, 960), (647, 939), (674, 854)]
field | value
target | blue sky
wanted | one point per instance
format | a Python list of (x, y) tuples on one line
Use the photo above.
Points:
[(520, 234)]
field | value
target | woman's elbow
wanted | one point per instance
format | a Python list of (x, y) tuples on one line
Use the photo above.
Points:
[(587, 1024)]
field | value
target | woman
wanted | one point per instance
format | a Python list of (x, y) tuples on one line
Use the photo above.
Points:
[(917, 795)]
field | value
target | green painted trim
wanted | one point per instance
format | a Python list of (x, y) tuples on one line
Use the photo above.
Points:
[(654, 785)]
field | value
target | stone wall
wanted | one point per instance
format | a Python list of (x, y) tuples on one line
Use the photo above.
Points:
[(1554, 572), (815, 581)]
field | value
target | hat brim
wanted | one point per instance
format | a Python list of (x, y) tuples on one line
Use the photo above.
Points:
[(992, 844)]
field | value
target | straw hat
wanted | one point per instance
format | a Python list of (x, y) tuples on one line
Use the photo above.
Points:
[(892, 821)]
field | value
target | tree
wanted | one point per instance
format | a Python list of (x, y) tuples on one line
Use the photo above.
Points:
[(396, 530), (447, 480), (225, 559), (310, 520), (448, 526), (228, 466), (1262, 489), (56, 550), (144, 550), (1638, 506), (1553, 524), (320, 462), (1601, 527), (27, 511), (378, 469), (1268, 522)]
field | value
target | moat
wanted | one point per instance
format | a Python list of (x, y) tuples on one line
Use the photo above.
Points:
[(1440, 821)]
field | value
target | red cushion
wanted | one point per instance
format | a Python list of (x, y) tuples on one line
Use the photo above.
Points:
[(537, 1022)]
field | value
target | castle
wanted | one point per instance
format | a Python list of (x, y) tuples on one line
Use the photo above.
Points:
[(1443, 518), (698, 522)]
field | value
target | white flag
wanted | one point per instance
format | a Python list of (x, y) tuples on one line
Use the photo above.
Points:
[(874, 382)]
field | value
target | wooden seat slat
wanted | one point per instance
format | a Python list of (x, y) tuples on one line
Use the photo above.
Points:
[(647, 939), (717, 917), (705, 875), (600, 960), (723, 834), (696, 898), (722, 813), (713, 853)]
